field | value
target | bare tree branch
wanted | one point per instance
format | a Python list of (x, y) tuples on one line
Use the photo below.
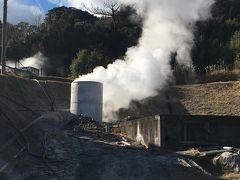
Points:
[(109, 9)]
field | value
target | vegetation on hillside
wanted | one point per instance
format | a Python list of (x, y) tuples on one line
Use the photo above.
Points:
[(76, 41), (217, 39)]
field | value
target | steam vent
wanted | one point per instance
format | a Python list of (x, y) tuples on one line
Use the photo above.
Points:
[(87, 98)]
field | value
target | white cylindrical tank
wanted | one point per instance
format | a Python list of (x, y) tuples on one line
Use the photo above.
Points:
[(87, 99)]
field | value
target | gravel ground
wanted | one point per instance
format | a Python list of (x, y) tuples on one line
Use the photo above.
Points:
[(78, 148)]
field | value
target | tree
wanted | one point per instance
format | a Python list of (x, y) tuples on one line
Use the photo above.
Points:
[(21, 41), (226, 9), (212, 36), (86, 61), (114, 42), (61, 26), (63, 33), (234, 45), (110, 9), (235, 42)]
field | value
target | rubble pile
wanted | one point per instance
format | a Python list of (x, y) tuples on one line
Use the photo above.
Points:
[(228, 161), (85, 127), (82, 123), (67, 147)]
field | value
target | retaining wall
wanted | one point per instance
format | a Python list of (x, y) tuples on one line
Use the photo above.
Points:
[(183, 130)]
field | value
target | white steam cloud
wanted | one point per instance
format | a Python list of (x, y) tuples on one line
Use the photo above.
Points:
[(168, 26), (36, 61), (58, 2), (77, 3)]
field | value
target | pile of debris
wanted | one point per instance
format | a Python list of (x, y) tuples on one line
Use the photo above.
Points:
[(63, 146), (82, 123), (84, 127), (228, 161)]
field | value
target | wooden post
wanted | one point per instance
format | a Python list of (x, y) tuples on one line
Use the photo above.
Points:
[(4, 38)]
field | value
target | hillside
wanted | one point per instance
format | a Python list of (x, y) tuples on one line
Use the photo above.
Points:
[(26, 95), (219, 98), (222, 98)]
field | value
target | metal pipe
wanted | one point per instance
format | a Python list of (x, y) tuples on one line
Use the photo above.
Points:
[(50, 100)]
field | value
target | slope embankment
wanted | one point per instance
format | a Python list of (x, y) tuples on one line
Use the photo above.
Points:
[(25, 95), (22, 101), (219, 98)]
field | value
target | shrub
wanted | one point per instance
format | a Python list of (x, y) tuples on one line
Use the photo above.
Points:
[(184, 74), (237, 62), (86, 60)]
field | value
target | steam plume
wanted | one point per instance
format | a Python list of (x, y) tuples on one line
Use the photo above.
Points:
[(36, 61), (167, 28)]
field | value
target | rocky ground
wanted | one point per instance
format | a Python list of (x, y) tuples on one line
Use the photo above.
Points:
[(62, 146)]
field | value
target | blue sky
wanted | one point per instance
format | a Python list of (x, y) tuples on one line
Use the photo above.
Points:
[(31, 10), (44, 4), (27, 10)]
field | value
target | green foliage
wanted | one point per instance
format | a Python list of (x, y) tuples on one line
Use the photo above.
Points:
[(70, 36), (214, 38), (66, 30), (21, 41), (86, 61), (226, 9), (237, 61), (235, 42), (184, 74), (234, 45)]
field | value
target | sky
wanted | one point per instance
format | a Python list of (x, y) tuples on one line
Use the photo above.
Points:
[(33, 10)]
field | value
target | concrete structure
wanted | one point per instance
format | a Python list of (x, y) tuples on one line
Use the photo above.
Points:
[(32, 70), (87, 98), (176, 131), (145, 131)]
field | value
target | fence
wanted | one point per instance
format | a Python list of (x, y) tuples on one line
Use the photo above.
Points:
[(16, 71)]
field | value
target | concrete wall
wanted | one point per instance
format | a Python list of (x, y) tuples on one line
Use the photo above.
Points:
[(145, 131), (183, 130), (201, 130)]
